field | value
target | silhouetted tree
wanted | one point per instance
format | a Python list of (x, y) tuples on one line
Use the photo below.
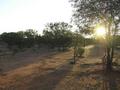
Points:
[(12, 39), (39, 40), (58, 35), (117, 41), (20, 39), (78, 43), (90, 12), (29, 37)]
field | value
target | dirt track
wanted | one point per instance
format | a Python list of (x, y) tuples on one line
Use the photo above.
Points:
[(52, 71), (25, 73)]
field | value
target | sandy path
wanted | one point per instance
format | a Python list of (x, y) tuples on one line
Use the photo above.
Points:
[(8, 63), (47, 71), (54, 72)]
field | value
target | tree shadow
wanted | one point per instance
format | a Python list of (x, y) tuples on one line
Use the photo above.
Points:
[(89, 65), (111, 80), (105, 80), (50, 80)]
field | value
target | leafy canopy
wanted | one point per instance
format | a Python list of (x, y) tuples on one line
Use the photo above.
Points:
[(91, 12)]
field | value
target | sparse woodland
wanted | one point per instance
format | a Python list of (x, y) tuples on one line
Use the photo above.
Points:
[(66, 56)]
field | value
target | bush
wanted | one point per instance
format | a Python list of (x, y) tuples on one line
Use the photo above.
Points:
[(80, 51)]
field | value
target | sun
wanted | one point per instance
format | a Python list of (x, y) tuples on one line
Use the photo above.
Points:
[(100, 31)]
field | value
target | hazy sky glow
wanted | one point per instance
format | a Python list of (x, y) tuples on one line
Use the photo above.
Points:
[(16, 15)]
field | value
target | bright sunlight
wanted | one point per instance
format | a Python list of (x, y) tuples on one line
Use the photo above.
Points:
[(100, 31)]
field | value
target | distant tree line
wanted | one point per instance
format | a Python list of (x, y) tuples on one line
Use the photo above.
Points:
[(19, 39), (55, 35)]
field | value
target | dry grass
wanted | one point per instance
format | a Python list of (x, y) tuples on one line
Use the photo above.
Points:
[(52, 71)]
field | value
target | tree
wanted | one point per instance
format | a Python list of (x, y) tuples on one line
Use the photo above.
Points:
[(107, 12), (20, 39), (22, 43), (29, 37), (39, 40), (58, 35), (117, 40), (12, 39), (78, 43), (30, 33)]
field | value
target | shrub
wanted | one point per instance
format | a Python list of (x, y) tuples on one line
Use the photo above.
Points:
[(80, 51)]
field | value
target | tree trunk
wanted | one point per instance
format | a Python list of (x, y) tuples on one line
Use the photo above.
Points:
[(109, 50), (109, 64), (74, 54), (110, 54)]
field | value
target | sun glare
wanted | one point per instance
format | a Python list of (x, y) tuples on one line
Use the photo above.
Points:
[(100, 31)]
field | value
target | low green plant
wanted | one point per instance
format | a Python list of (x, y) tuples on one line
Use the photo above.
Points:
[(80, 51)]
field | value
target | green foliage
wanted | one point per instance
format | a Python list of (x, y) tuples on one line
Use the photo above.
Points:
[(12, 39), (80, 51), (96, 8), (39, 40), (78, 43), (89, 41), (55, 35), (58, 35), (92, 12), (20, 39), (117, 40), (30, 36), (78, 39)]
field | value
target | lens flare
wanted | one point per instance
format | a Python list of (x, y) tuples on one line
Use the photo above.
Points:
[(100, 31)]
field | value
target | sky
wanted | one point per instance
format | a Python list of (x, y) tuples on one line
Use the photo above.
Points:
[(19, 15)]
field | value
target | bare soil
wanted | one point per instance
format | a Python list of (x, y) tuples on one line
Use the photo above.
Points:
[(48, 70)]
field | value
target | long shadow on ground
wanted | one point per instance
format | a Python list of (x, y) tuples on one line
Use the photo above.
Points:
[(105, 81), (111, 81), (49, 81)]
